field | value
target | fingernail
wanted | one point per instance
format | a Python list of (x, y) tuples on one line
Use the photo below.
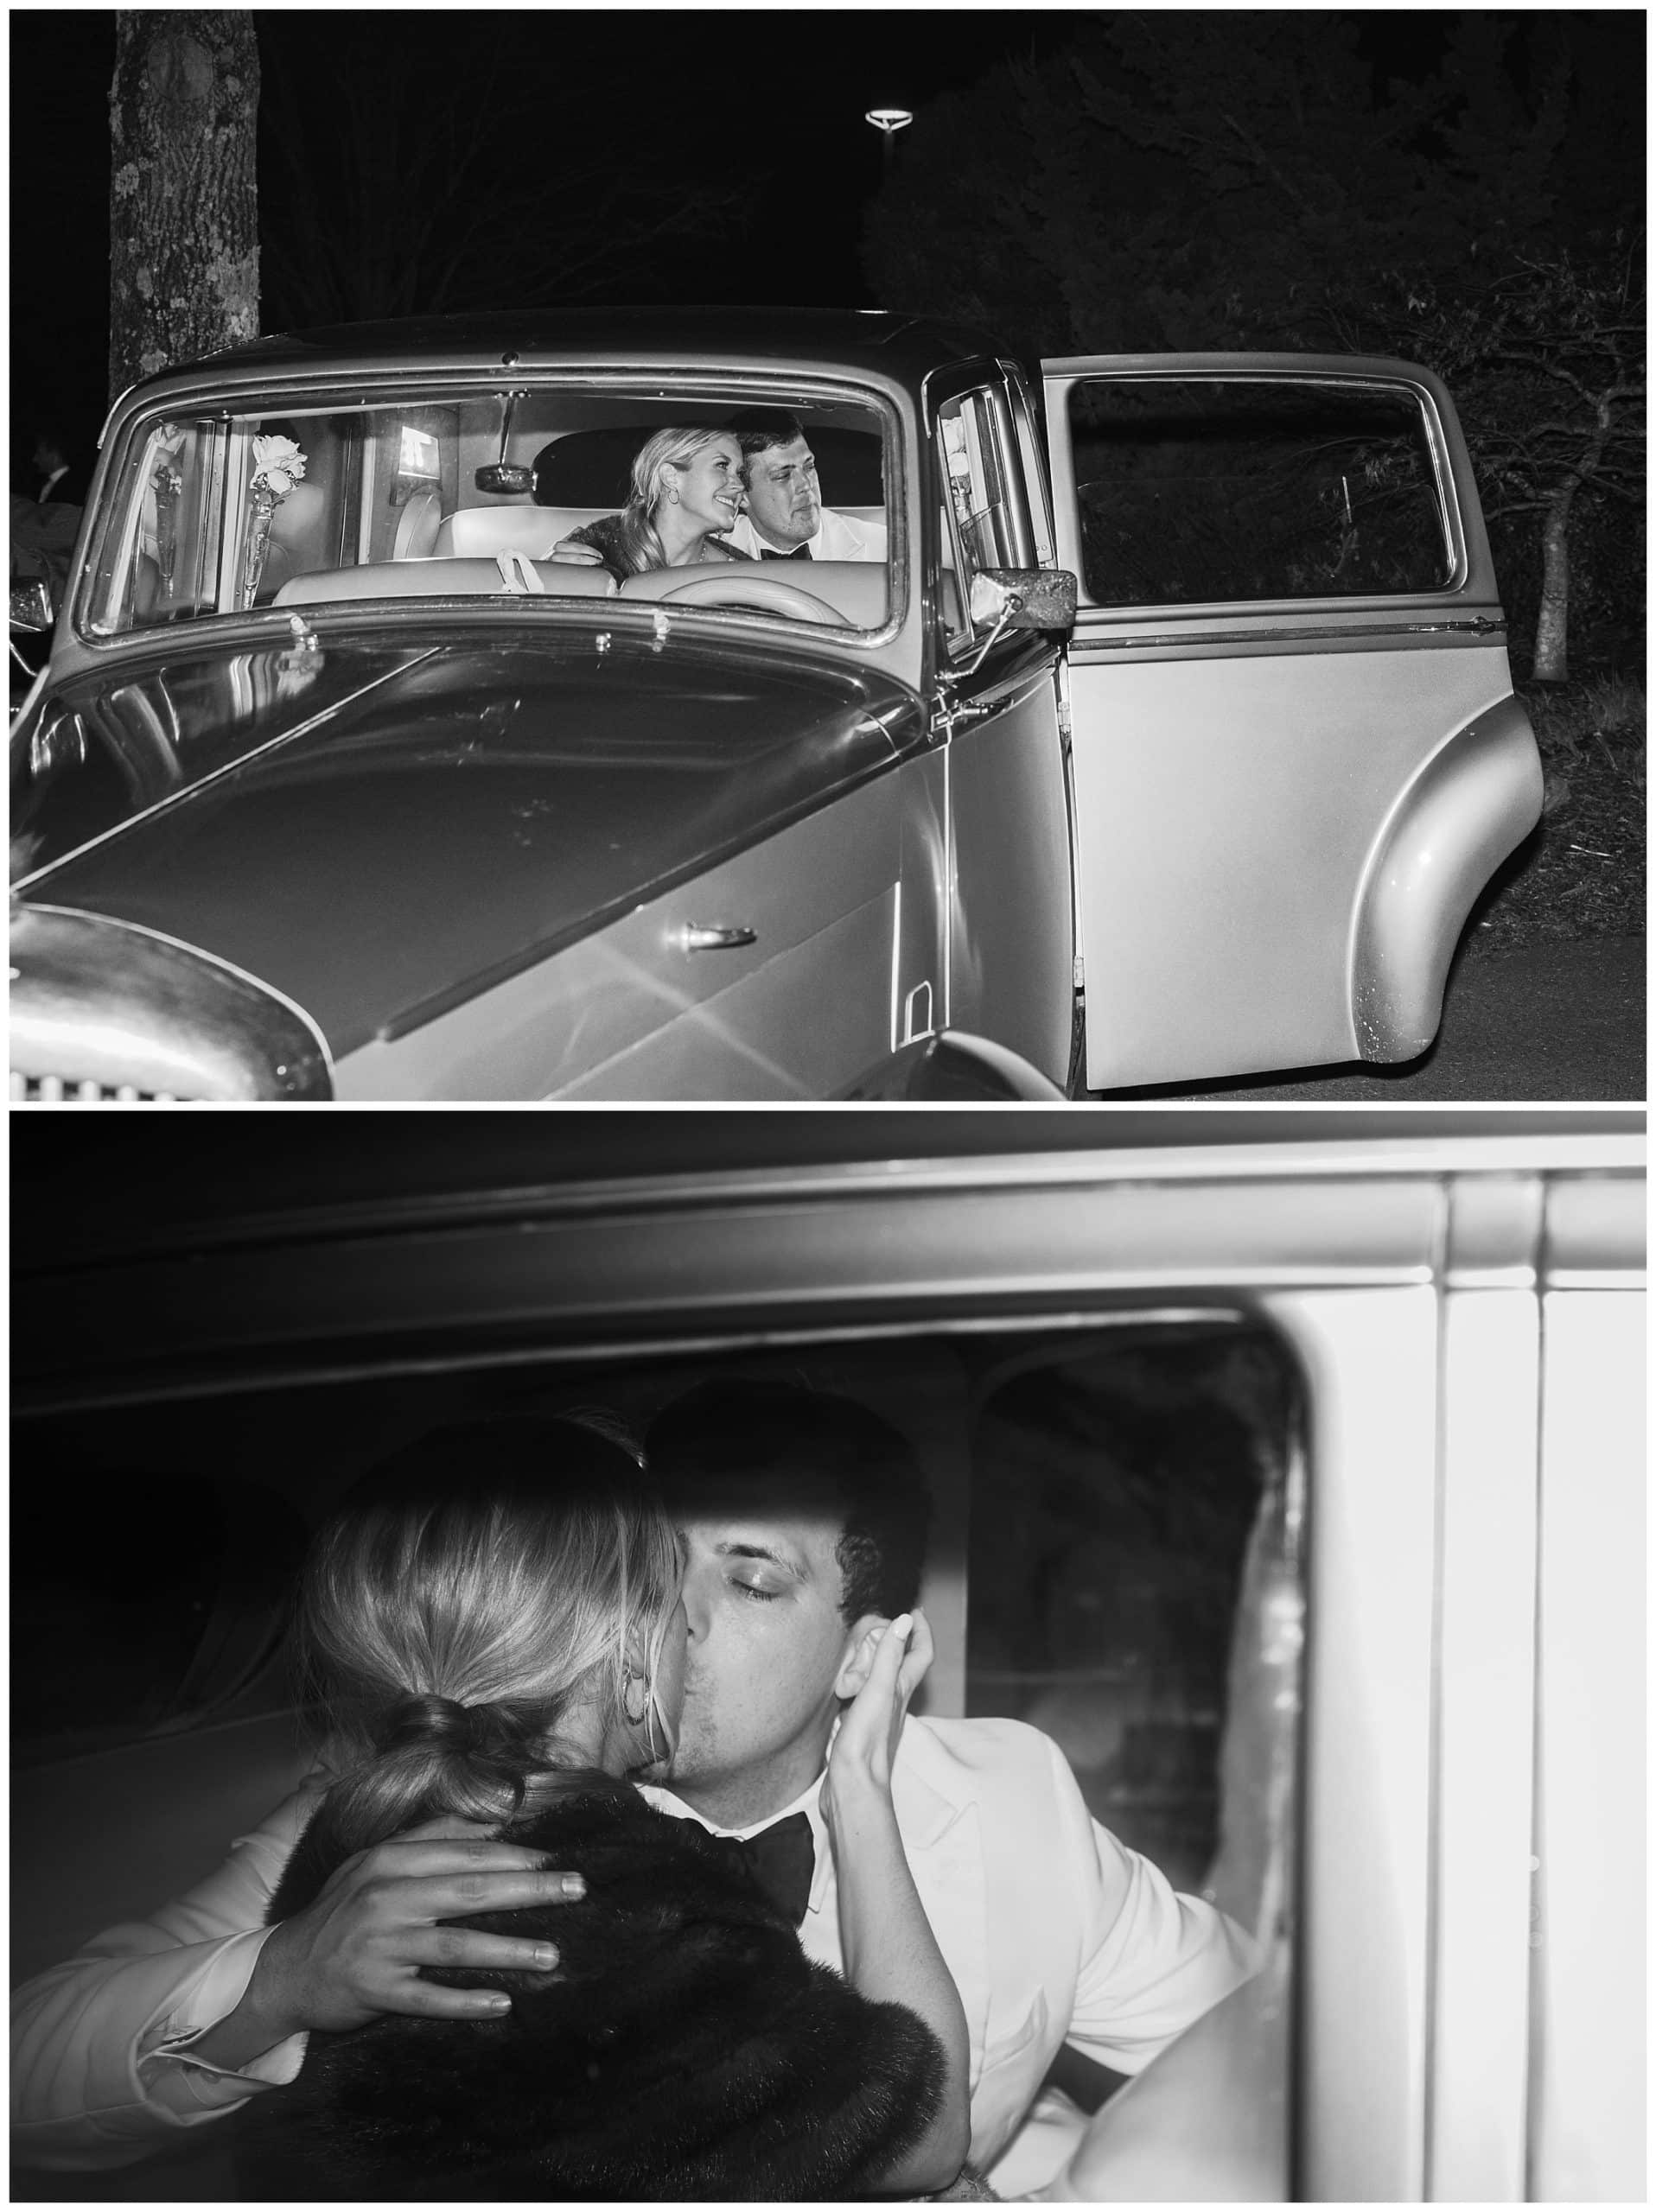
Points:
[(575, 1885), (545, 1954), (902, 1625), (498, 2003)]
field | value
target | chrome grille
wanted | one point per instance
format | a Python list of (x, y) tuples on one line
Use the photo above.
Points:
[(56, 1090)]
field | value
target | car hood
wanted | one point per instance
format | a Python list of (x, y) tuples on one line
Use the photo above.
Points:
[(378, 831)]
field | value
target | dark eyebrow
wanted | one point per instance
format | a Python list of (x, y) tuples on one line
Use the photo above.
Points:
[(764, 1552)]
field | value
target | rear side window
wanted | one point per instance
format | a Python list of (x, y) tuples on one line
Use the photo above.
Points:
[(1194, 491)]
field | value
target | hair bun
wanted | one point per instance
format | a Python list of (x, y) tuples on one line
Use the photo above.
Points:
[(502, 1735), (427, 1722)]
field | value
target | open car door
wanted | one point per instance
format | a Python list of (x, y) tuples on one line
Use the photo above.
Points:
[(1296, 755)]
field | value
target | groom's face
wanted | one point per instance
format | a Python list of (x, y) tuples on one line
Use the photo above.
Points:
[(784, 498), (767, 1643)]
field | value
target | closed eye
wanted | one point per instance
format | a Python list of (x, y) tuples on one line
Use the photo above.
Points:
[(753, 1590)]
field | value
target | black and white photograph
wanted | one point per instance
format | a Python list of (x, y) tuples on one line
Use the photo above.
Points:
[(828, 1387), (1209, 446), (890, 1653)]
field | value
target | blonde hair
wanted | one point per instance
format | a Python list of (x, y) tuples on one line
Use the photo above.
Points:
[(460, 1602), (639, 542)]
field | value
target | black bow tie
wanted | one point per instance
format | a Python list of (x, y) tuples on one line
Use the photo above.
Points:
[(780, 1859), (799, 553)]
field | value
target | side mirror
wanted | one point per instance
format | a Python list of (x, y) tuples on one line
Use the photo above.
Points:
[(1024, 599), (31, 606), (1018, 599)]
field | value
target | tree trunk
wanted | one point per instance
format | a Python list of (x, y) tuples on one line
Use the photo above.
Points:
[(1551, 627), (183, 209)]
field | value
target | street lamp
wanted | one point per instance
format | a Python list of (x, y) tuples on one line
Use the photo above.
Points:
[(888, 121)]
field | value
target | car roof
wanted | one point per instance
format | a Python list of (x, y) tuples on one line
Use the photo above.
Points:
[(153, 1179), (901, 347)]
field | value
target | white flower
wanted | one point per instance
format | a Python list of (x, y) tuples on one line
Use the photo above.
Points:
[(277, 465)]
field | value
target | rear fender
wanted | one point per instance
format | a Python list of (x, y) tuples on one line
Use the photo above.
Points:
[(1477, 797)]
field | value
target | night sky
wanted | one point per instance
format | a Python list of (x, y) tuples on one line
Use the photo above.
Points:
[(765, 104), (763, 98), (768, 101)]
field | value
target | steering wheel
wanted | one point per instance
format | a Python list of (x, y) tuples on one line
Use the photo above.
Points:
[(733, 587)]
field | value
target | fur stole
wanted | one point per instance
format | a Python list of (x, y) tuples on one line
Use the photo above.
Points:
[(685, 2048)]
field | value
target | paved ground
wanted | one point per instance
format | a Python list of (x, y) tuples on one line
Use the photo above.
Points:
[(1550, 1021)]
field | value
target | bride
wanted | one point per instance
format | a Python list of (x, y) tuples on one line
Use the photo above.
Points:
[(686, 490)]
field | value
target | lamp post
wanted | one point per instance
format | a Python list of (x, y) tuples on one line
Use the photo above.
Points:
[(888, 121)]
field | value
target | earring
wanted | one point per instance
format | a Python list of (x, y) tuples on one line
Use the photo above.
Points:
[(630, 1683)]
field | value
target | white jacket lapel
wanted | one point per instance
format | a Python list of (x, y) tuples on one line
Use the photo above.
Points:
[(945, 1854)]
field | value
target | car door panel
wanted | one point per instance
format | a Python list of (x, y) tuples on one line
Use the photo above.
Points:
[(826, 1001), (1011, 967), (1225, 943), (1255, 891)]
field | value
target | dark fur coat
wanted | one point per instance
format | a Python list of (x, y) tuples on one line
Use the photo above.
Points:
[(683, 2049)]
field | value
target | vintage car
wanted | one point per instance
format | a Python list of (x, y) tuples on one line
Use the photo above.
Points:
[(1172, 741), (1288, 1474)]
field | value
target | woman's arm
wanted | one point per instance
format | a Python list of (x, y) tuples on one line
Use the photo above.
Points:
[(890, 1953)]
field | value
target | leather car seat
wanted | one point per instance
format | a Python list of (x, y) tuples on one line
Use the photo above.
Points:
[(534, 530), (416, 527)]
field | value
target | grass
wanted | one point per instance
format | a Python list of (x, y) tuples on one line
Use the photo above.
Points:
[(1581, 871)]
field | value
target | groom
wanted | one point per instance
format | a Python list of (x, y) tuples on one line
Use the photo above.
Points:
[(804, 1519)]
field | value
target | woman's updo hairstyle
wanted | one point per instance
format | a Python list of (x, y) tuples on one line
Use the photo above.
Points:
[(468, 1590)]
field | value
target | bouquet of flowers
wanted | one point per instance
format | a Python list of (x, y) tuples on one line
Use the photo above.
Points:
[(278, 465)]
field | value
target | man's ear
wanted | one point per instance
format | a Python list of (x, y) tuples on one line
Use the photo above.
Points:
[(861, 1644)]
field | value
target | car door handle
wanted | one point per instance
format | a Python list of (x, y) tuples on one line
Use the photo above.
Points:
[(715, 936)]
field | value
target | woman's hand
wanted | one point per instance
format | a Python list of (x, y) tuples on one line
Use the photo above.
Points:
[(889, 1952), (869, 1729), (357, 1951)]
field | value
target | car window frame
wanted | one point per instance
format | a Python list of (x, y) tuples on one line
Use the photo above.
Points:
[(349, 387), (986, 381), (1423, 434), (1471, 580)]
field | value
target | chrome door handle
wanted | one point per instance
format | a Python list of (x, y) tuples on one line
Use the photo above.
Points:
[(714, 936)]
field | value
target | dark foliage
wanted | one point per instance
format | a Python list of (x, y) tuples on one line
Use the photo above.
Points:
[(1237, 180)]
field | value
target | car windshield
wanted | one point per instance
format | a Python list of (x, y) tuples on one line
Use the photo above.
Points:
[(436, 493)]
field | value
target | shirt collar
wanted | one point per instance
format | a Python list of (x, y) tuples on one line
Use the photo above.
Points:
[(809, 1801), (786, 552)]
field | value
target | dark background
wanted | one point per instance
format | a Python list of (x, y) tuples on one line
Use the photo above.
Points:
[(761, 112)]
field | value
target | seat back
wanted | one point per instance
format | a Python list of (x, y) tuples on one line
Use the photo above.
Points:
[(449, 578), (416, 527), (533, 530)]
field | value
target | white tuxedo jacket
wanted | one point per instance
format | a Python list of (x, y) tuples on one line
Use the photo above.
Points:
[(1053, 1930), (839, 537)]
